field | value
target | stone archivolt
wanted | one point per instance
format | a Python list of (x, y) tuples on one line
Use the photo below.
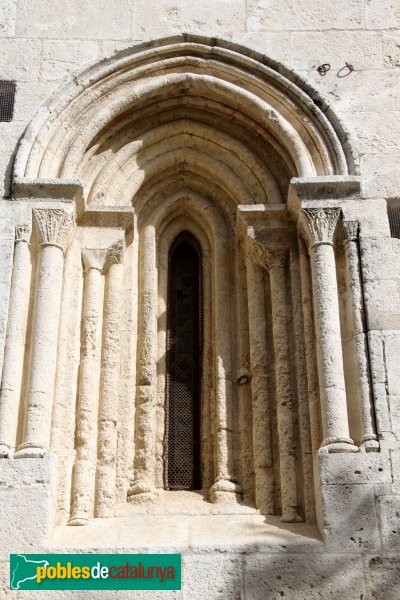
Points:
[(201, 138)]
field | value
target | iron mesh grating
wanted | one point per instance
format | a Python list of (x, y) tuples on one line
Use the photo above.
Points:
[(394, 217), (183, 398), (7, 97)]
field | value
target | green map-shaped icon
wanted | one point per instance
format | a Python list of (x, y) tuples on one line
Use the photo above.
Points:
[(24, 570)]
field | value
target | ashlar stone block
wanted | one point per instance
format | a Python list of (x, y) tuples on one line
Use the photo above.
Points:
[(177, 15), (8, 9), (303, 577), (61, 58), (74, 19)]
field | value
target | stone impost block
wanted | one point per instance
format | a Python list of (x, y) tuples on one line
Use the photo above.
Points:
[(47, 190), (322, 191)]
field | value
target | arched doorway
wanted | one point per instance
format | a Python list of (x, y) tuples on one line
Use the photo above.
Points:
[(182, 463)]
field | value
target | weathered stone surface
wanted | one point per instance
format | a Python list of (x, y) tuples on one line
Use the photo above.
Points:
[(223, 579), (8, 11), (74, 20), (356, 468), (351, 522), (62, 58), (276, 15), (389, 515), (20, 59), (176, 15), (300, 578), (391, 50), (184, 138), (362, 49), (383, 576)]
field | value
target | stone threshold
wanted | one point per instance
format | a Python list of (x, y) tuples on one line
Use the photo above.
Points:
[(182, 521)]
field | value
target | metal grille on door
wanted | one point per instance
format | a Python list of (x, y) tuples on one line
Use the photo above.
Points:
[(183, 397)]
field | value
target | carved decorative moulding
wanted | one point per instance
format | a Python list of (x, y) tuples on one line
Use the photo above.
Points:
[(319, 224), (267, 258), (22, 233), (350, 230), (115, 255), (54, 226)]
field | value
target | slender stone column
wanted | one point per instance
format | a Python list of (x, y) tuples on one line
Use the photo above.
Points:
[(142, 489), (303, 400), (309, 350), (261, 402), (226, 488), (318, 226), (275, 260), (109, 383), (15, 342), (54, 227), (368, 440), (83, 486)]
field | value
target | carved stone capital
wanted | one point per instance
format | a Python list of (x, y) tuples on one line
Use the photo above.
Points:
[(319, 224), (54, 226), (350, 231), (114, 255), (93, 258), (267, 258), (22, 233)]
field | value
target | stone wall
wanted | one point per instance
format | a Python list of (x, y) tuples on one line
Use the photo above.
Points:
[(356, 495)]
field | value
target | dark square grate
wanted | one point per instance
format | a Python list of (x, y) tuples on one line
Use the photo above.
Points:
[(394, 217), (7, 96)]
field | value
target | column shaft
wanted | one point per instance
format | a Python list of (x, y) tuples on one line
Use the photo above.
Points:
[(287, 450), (368, 440), (319, 226), (226, 488), (83, 487), (309, 347), (109, 384), (143, 489), (261, 401), (302, 387), (15, 343)]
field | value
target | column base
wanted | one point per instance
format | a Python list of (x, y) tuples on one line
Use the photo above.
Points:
[(5, 451), (290, 515), (225, 491), (142, 492), (78, 521), (369, 443), (339, 444), (30, 451)]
